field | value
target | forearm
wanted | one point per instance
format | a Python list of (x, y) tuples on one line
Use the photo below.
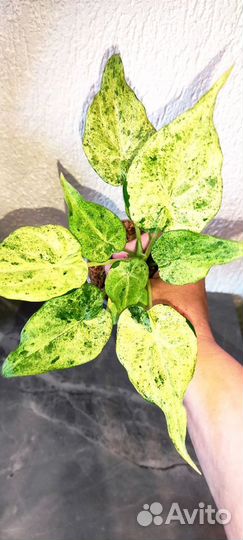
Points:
[(214, 403)]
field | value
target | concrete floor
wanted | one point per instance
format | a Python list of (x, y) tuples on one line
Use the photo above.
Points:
[(82, 452)]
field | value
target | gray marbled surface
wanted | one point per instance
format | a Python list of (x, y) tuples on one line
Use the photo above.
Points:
[(81, 452)]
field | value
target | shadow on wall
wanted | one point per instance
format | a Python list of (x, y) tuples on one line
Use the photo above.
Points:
[(187, 99), (49, 215), (225, 228), (189, 96), (24, 217), (45, 215), (36, 217), (88, 193), (166, 114)]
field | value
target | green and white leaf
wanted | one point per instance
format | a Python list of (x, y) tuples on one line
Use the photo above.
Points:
[(98, 230), (175, 179), (126, 281), (186, 257), (38, 263), (143, 297), (143, 301), (113, 311), (65, 332), (158, 349), (116, 125)]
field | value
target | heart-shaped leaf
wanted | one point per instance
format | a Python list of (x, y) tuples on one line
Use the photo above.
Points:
[(186, 257), (175, 179), (98, 230), (126, 281), (38, 263), (65, 332), (116, 125), (158, 348)]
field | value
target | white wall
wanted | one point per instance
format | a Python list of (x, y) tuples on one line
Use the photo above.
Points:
[(52, 50)]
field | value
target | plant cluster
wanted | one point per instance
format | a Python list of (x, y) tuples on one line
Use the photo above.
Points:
[(172, 189)]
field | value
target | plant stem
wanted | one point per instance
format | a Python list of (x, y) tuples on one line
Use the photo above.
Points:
[(149, 289), (130, 253), (139, 241), (149, 248)]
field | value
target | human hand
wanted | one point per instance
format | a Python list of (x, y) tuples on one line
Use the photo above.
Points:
[(190, 300)]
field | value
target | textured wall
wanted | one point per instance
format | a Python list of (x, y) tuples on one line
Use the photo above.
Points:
[(51, 55)]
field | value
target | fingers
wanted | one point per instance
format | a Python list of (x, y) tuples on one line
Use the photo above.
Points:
[(130, 246)]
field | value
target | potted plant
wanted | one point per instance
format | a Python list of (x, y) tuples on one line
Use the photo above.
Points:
[(172, 189)]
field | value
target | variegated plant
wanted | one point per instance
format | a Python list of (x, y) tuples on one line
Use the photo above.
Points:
[(172, 188)]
